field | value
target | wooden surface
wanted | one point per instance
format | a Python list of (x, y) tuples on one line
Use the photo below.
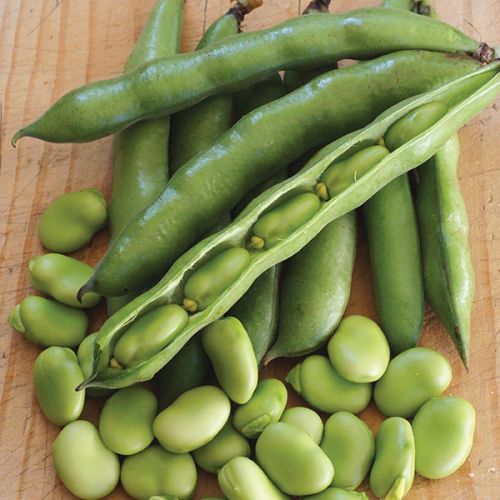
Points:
[(47, 47)]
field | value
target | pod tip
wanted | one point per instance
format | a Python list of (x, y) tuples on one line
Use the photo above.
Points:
[(20, 133), (484, 53), (88, 287)]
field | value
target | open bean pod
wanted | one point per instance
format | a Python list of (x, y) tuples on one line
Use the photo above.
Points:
[(465, 97)]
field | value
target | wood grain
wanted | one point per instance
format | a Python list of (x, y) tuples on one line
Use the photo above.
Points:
[(48, 47)]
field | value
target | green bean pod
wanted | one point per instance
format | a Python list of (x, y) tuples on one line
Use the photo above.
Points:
[(349, 444), (465, 96), (140, 153), (48, 323), (227, 344), (313, 115), (164, 86), (315, 290), (55, 376), (394, 466), (71, 220), (62, 277), (448, 271), (338, 494)]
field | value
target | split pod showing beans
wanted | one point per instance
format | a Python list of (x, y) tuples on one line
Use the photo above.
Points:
[(469, 95)]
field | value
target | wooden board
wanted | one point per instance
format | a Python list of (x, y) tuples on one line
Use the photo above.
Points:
[(47, 47)]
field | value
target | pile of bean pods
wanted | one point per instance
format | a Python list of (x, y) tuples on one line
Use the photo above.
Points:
[(246, 255)]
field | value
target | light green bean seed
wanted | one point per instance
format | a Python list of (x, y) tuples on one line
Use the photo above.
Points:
[(71, 221), (227, 345), (243, 479), (192, 420), (126, 421), (294, 462), (62, 277), (229, 443), (316, 380), (412, 377), (349, 444), (281, 221), (155, 471), (163, 497), (209, 281), (265, 407), (56, 375), (150, 334), (305, 419), (444, 431), (86, 467), (358, 350), (48, 323), (394, 466), (338, 494)]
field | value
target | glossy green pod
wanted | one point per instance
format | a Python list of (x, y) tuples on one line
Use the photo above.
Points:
[(71, 220), (349, 444), (358, 350), (316, 280), (323, 388), (412, 378), (281, 221), (444, 431), (338, 494), (48, 323), (392, 231), (150, 334), (227, 345), (56, 375), (394, 466), (86, 467), (155, 471), (192, 420), (442, 218), (213, 277), (243, 479), (228, 444), (293, 461), (305, 419), (126, 421), (413, 124), (342, 174), (188, 369), (265, 407), (62, 277)]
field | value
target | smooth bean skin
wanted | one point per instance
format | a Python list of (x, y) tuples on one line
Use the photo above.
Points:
[(126, 421), (48, 323), (338, 494), (281, 221), (293, 461), (444, 431), (315, 289), (312, 115), (242, 479), (323, 388), (62, 277), (192, 420), (349, 444), (358, 350), (306, 419), (71, 220), (213, 278), (86, 467), (412, 378), (155, 471), (228, 444), (163, 497), (266, 406), (227, 345), (56, 375), (150, 334), (342, 174), (413, 124), (394, 466)]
